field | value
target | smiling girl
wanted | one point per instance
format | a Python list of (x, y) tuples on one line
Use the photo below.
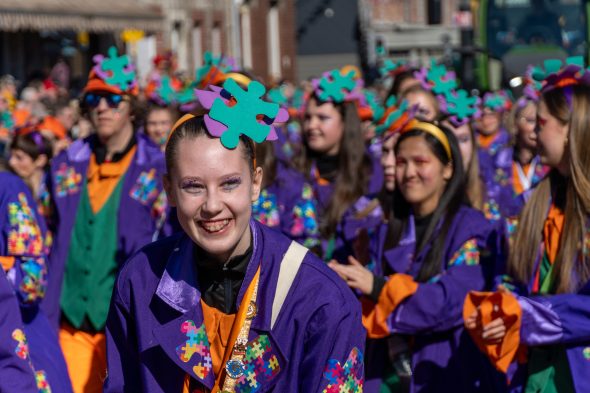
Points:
[(228, 304), (434, 257), (344, 177), (542, 312)]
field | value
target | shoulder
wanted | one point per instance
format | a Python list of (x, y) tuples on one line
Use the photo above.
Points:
[(149, 151), (12, 186), (315, 284), (471, 223)]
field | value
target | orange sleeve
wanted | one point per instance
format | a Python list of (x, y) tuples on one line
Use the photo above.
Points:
[(494, 305), (375, 315), (7, 263)]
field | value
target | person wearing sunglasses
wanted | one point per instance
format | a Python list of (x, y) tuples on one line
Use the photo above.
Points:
[(108, 201)]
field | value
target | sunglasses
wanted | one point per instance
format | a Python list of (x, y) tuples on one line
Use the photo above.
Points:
[(92, 100)]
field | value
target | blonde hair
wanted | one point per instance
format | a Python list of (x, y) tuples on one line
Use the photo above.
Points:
[(571, 264)]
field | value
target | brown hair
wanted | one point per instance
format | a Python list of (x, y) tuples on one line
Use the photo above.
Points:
[(475, 187), (418, 89), (569, 270), (354, 168), (194, 128), (33, 144)]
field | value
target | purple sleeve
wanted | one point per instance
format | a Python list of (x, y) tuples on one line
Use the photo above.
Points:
[(16, 374), (563, 318), (437, 306), (122, 357), (334, 350)]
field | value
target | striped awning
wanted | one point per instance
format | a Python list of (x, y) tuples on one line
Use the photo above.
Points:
[(79, 15)]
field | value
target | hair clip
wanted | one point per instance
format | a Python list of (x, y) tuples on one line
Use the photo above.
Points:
[(393, 68), (395, 118), (556, 74), (234, 111), (116, 71), (459, 106), (437, 78), (337, 87), (498, 101), (213, 70)]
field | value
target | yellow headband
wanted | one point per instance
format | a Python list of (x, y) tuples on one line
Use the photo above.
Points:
[(432, 130), (189, 116), (240, 78)]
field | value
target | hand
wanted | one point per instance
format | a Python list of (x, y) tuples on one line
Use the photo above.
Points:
[(354, 274), (471, 321), (494, 332)]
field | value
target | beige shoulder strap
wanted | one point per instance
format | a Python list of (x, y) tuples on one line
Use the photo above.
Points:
[(288, 270)]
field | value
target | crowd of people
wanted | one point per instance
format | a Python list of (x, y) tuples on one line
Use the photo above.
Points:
[(220, 235)]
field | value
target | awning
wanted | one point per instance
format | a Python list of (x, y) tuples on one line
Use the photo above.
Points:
[(79, 15)]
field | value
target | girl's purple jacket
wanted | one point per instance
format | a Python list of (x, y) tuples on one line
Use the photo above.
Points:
[(156, 335)]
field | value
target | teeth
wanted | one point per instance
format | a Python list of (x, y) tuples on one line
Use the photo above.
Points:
[(214, 226)]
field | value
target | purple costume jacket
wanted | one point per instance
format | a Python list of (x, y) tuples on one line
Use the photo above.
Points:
[(16, 375), (155, 329), (288, 204), (498, 177), (23, 248), (561, 319), (141, 215), (444, 359)]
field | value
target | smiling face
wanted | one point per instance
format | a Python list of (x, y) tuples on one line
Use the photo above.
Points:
[(213, 190), (420, 176), (23, 164), (323, 128), (551, 137)]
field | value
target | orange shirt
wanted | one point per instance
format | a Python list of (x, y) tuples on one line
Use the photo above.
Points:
[(516, 184), (486, 141), (218, 326), (552, 231), (103, 178)]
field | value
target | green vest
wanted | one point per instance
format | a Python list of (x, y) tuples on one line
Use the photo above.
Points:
[(91, 267), (548, 366)]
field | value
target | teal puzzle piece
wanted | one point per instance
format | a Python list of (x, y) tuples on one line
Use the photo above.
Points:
[(241, 118), (335, 88), (118, 66)]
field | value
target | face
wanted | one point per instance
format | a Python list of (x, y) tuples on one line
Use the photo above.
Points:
[(323, 128), (463, 135), (158, 126), (67, 117), (407, 84), (551, 137), (489, 123), (525, 126), (425, 103), (388, 162), (23, 164), (213, 191), (110, 121), (420, 175)]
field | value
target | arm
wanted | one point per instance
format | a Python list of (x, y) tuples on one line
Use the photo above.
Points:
[(555, 319), (405, 306), (334, 346), (24, 257), (16, 374), (122, 357)]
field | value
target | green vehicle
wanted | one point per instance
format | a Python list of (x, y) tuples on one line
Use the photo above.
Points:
[(516, 33)]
